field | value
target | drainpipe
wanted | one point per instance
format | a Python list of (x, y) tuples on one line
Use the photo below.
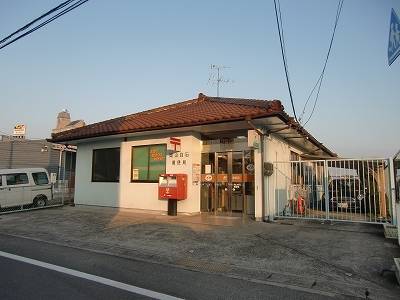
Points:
[(261, 135)]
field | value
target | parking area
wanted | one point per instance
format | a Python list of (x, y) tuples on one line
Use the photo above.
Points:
[(356, 190), (347, 259)]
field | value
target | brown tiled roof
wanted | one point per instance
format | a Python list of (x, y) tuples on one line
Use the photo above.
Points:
[(199, 111)]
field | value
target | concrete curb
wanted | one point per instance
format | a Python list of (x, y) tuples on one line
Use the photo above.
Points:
[(290, 281)]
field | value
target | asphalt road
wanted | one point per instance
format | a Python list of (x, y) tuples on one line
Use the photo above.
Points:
[(22, 280)]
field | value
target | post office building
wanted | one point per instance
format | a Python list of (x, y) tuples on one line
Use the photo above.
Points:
[(224, 147)]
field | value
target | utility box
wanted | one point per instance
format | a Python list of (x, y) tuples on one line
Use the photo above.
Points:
[(268, 168), (172, 186)]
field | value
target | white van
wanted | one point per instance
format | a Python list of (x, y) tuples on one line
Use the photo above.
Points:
[(24, 186)]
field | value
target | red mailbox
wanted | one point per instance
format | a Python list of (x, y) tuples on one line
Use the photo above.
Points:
[(172, 186)]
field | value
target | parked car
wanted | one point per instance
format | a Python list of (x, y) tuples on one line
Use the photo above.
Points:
[(19, 187), (346, 194)]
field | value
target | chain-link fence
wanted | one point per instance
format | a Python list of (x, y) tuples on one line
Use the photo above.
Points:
[(22, 194)]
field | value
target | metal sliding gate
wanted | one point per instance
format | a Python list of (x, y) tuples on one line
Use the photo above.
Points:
[(339, 190)]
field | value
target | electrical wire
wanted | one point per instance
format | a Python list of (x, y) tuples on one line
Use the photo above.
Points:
[(283, 52), (283, 37), (321, 77), (37, 19), (340, 4), (66, 10)]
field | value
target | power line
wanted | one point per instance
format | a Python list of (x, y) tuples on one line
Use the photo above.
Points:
[(283, 52), (66, 10), (321, 77), (340, 4), (283, 37), (37, 19)]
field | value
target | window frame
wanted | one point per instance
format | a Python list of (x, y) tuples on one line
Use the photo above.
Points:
[(119, 168), (148, 163), (17, 184), (37, 174)]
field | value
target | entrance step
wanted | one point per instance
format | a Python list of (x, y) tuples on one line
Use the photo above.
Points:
[(390, 231)]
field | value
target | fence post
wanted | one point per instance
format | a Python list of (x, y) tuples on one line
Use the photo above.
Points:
[(326, 189), (392, 195)]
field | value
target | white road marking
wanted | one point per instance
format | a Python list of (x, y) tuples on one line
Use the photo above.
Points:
[(102, 280)]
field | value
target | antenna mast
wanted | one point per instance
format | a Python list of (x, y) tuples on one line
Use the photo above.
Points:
[(216, 78)]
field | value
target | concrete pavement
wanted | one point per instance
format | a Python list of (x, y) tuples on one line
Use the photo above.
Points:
[(344, 259)]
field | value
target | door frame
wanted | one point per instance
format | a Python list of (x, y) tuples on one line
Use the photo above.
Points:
[(229, 183)]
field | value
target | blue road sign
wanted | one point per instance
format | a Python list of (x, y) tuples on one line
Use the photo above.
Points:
[(394, 38)]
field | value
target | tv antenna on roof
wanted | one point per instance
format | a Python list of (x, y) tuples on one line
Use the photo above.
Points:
[(216, 76)]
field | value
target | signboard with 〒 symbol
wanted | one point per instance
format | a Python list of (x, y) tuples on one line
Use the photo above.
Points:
[(394, 38), (174, 144)]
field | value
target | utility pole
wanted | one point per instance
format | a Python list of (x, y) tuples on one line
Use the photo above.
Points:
[(217, 78)]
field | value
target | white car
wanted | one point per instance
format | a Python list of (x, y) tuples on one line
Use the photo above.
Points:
[(20, 187)]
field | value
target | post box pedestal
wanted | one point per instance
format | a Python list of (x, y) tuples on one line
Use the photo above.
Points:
[(172, 187), (172, 207)]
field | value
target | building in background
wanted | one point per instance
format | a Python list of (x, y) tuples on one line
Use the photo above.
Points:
[(17, 151), (64, 122)]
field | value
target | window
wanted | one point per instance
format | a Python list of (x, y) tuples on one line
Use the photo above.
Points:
[(40, 178), (207, 163), (148, 162), (18, 178), (105, 165), (296, 168), (294, 156)]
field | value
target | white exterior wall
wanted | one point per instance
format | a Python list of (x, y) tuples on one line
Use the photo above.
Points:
[(275, 150), (258, 187), (145, 195), (94, 193), (137, 195)]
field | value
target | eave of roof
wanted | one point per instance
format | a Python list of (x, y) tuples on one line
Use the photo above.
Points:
[(199, 111), (203, 110)]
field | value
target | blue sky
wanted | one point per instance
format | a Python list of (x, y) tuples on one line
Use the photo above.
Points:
[(111, 58)]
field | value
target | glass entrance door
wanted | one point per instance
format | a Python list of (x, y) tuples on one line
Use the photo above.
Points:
[(236, 182), (228, 183), (223, 183)]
